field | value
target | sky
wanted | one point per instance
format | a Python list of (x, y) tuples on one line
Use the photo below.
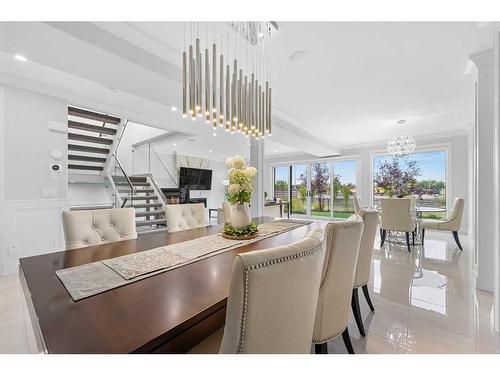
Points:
[(432, 164)]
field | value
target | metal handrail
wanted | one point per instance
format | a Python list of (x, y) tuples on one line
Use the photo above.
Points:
[(162, 164), (132, 187)]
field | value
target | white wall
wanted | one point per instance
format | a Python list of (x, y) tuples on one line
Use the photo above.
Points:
[(139, 159), (460, 173), (30, 221)]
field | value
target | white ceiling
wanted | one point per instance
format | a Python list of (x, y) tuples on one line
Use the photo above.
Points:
[(357, 81)]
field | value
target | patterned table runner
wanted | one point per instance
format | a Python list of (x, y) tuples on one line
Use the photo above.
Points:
[(93, 278)]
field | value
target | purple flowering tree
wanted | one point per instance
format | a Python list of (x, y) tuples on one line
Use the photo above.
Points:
[(397, 179)]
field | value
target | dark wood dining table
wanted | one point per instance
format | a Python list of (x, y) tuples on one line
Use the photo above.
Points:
[(166, 313)]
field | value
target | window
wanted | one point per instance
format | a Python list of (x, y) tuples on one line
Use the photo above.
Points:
[(422, 174), (310, 187), (344, 188), (281, 183)]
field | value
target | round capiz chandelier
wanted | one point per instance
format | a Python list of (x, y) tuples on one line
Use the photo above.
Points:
[(401, 145)]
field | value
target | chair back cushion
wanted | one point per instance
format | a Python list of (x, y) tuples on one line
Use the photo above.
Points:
[(96, 227), (272, 298), (341, 244), (395, 214), (363, 267), (185, 216), (357, 204), (454, 221)]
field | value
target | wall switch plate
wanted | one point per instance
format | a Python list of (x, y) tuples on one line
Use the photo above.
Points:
[(49, 192)]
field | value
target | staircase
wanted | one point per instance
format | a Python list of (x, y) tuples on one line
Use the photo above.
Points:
[(147, 201), (91, 140)]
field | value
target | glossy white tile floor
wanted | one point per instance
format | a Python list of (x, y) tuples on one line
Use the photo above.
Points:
[(425, 302)]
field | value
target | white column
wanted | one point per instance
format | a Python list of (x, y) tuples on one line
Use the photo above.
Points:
[(257, 161), (485, 229)]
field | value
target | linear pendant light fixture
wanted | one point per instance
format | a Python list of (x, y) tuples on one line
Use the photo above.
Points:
[(231, 90)]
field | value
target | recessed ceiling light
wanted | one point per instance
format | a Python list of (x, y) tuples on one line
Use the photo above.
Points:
[(173, 108), (20, 58), (175, 144), (214, 134), (210, 151), (299, 56), (275, 150)]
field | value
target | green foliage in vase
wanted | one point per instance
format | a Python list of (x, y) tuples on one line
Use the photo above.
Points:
[(240, 232)]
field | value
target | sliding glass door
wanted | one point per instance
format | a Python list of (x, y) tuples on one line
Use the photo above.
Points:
[(281, 183), (322, 189), (344, 188), (300, 189)]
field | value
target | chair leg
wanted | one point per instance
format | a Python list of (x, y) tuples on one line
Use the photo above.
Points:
[(413, 238), (367, 297), (455, 236), (382, 237), (423, 235), (357, 312), (407, 234), (347, 341), (321, 348)]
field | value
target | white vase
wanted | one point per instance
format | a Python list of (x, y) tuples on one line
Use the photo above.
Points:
[(240, 215)]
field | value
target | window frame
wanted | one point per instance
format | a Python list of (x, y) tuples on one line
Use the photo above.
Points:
[(446, 147)]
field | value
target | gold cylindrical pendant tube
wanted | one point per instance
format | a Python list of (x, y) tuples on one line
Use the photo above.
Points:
[(192, 77), (184, 84), (221, 92), (251, 99), (207, 87), (266, 110), (198, 80), (269, 127), (228, 99), (240, 92), (234, 93), (214, 80)]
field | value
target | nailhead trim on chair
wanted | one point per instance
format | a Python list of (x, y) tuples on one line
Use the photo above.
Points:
[(330, 258), (246, 272)]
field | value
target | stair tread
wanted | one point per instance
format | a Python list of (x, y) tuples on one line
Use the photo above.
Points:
[(142, 223), (91, 128), (90, 139), (78, 112), (150, 213), (137, 190), (144, 198), (146, 205), (86, 167), (86, 158), (97, 150)]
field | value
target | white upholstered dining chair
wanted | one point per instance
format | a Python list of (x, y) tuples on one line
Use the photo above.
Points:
[(85, 228), (341, 244), (358, 204), (364, 264), (272, 300), (395, 215), (451, 223), (185, 216)]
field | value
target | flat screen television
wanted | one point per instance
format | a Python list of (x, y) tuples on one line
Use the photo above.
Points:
[(195, 178)]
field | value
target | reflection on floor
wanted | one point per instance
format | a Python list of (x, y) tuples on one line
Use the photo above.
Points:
[(425, 302)]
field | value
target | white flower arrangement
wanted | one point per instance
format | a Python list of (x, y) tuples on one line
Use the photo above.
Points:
[(240, 187)]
